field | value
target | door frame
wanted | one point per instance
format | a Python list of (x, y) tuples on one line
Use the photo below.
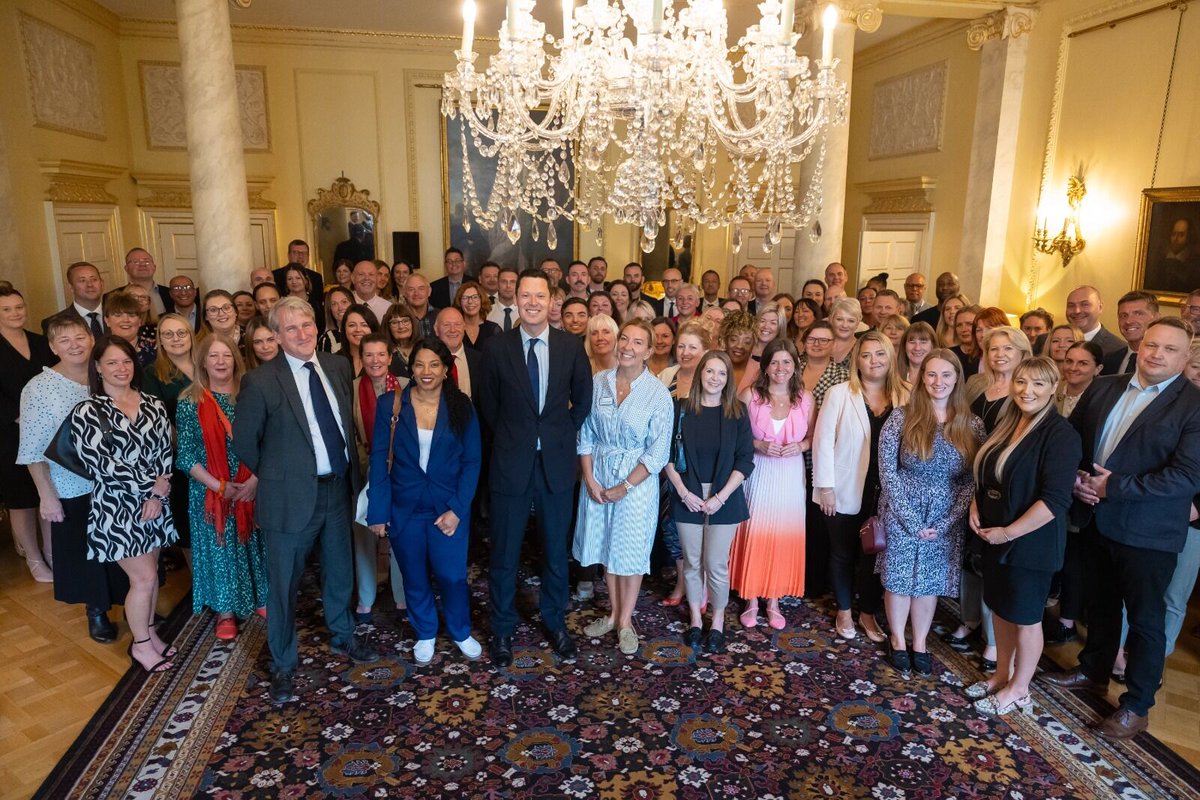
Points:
[(56, 213), (920, 222)]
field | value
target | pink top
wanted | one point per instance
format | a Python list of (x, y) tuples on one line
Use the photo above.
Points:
[(795, 427)]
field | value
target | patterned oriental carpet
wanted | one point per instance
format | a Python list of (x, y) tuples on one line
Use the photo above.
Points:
[(796, 713)]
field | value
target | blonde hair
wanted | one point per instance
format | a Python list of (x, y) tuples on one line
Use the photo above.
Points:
[(199, 385), (1037, 368), (1018, 339), (847, 304), (164, 368), (700, 328), (601, 321), (770, 307), (920, 422), (893, 384)]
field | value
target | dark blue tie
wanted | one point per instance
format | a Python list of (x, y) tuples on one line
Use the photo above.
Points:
[(535, 378), (335, 445), (508, 319)]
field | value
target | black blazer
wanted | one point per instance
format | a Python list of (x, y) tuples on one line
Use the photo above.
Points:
[(316, 290), (509, 410), (439, 291), (1111, 363), (1041, 467), (932, 315), (72, 311), (1155, 467), (736, 453)]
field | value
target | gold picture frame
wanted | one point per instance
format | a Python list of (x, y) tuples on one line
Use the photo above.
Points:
[(1167, 254)]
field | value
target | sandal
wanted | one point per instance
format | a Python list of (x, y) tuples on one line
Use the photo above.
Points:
[(162, 665), (990, 708)]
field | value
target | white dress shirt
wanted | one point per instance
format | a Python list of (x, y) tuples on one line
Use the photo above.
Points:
[(1129, 407), (300, 375), (377, 304), (463, 369), (496, 315)]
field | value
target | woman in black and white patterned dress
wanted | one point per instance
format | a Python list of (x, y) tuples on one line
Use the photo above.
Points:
[(124, 438)]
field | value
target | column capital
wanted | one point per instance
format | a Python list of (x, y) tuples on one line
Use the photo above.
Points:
[(866, 15), (1011, 22), (240, 3)]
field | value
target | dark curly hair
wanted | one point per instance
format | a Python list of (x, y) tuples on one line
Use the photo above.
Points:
[(458, 405)]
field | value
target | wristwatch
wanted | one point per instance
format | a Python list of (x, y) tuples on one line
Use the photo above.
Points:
[(628, 485)]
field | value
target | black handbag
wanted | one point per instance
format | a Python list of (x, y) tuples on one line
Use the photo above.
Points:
[(61, 449)]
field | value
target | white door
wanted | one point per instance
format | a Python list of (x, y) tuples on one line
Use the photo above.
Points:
[(781, 259), (86, 233), (172, 240), (895, 252)]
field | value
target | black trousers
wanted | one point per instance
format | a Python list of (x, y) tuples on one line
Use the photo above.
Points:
[(510, 513), (1137, 578), (287, 552), (1072, 597), (98, 585), (850, 567)]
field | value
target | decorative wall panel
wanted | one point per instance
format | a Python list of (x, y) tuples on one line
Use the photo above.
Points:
[(63, 80), (908, 113), (163, 110)]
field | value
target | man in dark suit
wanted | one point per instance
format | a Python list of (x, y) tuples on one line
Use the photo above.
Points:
[(1140, 471), (292, 431), (442, 290), (140, 267), (1084, 308), (87, 298), (298, 254), (184, 293), (535, 394), (450, 327), (1135, 312), (947, 285)]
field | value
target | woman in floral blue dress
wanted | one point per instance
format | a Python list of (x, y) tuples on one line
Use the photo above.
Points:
[(229, 573)]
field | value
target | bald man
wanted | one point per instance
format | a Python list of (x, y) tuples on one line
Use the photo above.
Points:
[(947, 286)]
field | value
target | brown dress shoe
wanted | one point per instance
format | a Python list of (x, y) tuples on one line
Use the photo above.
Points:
[(1123, 724), (1074, 679)]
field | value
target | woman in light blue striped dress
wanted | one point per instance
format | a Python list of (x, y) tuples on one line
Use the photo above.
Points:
[(623, 445)]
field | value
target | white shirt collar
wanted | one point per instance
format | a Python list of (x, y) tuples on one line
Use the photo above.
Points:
[(296, 364)]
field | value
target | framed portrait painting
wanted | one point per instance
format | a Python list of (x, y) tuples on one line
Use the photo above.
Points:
[(1168, 243), (479, 245)]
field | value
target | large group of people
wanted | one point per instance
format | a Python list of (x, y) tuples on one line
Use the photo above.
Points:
[(873, 444)]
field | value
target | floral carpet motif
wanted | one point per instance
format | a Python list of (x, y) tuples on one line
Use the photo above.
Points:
[(795, 713)]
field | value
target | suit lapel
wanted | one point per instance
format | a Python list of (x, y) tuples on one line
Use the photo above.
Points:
[(287, 384), (521, 369)]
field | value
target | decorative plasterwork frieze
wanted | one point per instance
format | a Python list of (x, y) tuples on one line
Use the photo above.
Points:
[(172, 190), (62, 79), (1011, 23), (899, 196), (163, 107), (866, 15), (342, 194), (78, 181), (908, 113)]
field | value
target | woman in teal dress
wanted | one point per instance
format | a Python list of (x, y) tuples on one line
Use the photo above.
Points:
[(166, 379), (229, 573)]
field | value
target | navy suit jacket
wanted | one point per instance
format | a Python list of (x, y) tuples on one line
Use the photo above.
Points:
[(271, 437), (509, 409), (1155, 467), (446, 484)]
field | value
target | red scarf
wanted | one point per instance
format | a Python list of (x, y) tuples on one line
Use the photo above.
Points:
[(367, 398), (217, 434)]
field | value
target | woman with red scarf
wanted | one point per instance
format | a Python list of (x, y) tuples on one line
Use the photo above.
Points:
[(229, 572), (373, 382)]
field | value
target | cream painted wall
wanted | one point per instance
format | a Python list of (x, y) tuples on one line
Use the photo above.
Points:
[(1113, 87), (938, 41), (26, 143)]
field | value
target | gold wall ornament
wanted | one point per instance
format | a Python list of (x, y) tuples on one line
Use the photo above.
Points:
[(174, 190), (899, 196), (1069, 242), (1012, 22), (342, 194), (71, 181)]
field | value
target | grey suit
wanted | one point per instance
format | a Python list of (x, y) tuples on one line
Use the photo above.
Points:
[(295, 508)]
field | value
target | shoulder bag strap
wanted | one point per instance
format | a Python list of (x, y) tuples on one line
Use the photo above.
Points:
[(391, 456)]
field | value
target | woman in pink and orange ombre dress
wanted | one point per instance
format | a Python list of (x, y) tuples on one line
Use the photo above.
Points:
[(768, 551)]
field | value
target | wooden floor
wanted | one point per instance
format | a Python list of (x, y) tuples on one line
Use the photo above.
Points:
[(54, 677)]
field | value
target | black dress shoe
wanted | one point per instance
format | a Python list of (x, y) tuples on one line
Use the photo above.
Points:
[(922, 663), (899, 660), (692, 637), (361, 651), (282, 687), (714, 641), (561, 641), (100, 627), (960, 643), (1054, 632), (987, 664), (502, 651)]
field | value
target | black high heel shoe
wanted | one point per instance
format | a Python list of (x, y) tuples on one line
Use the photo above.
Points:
[(162, 665)]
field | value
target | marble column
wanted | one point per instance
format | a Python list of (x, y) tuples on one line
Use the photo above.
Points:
[(11, 262), (216, 161), (811, 257), (1004, 45)]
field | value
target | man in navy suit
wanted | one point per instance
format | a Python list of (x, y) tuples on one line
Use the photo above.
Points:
[(294, 430), (535, 393), (1134, 490), (442, 291)]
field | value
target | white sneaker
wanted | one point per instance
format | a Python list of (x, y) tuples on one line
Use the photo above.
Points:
[(470, 648), (423, 650)]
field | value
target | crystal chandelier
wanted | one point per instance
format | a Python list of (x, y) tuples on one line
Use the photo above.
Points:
[(593, 125)]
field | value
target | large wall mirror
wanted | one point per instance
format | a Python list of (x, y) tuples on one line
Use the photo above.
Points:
[(343, 219)]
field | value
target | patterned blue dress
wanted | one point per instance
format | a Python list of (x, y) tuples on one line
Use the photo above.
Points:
[(229, 578), (619, 437), (923, 494)]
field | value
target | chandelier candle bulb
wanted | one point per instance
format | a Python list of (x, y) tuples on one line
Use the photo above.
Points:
[(512, 19), (468, 27), (829, 22), (656, 17), (568, 9), (787, 21)]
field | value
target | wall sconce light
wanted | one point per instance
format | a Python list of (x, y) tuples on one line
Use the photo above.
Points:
[(1069, 240)]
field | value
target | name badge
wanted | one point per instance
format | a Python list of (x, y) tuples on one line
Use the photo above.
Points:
[(607, 400)]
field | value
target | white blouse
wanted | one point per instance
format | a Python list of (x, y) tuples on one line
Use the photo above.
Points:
[(46, 401)]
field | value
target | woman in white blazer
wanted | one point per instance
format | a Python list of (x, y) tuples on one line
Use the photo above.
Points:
[(846, 474)]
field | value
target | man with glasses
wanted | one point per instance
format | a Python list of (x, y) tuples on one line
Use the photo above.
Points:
[(739, 290), (183, 292), (140, 267), (914, 293), (672, 279), (1189, 310)]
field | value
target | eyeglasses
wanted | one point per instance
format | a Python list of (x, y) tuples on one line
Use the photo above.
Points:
[(739, 291), (220, 311), (819, 340), (183, 287), (1192, 309), (166, 335), (401, 321), (140, 261)]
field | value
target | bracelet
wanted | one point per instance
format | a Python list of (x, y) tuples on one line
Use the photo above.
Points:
[(221, 489)]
